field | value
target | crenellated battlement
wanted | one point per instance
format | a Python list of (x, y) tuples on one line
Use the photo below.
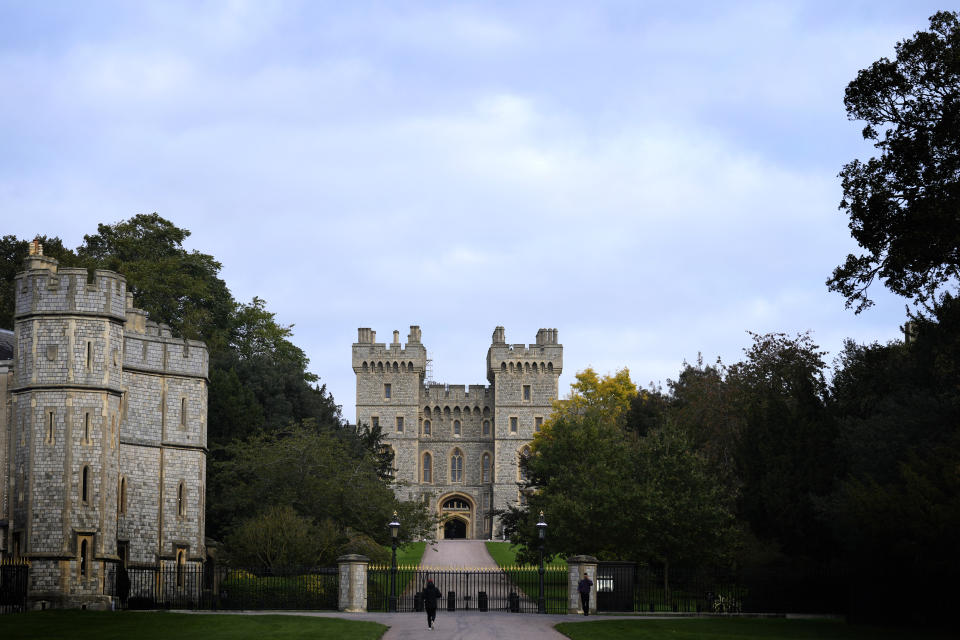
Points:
[(46, 289), (476, 395), (545, 356), (372, 356)]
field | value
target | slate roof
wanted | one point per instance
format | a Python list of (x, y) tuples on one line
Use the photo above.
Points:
[(6, 344)]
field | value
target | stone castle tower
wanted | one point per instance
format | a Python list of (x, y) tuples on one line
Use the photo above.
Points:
[(102, 436), (458, 447)]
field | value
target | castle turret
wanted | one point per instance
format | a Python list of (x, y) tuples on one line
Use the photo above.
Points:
[(65, 399)]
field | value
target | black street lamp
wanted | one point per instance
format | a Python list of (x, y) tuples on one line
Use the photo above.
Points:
[(542, 531), (394, 529)]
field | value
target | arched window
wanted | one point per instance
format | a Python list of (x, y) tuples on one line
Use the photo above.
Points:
[(485, 466), (456, 427), (85, 485), (396, 367), (426, 411), (534, 367), (486, 427), (550, 367), (84, 557), (181, 562), (503, 367), (456, 466), (427, 468), (426, 427), (365, 367), (181, 500), (456, 504), (122, 496)]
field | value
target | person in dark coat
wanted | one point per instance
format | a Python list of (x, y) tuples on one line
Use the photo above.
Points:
[(584, 589), (430, 596)]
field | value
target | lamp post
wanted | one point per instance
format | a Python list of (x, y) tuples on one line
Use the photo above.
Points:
[(542, 532), (394, 529)]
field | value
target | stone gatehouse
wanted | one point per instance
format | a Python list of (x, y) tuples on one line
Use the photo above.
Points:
[(456, 446), (103, 434)]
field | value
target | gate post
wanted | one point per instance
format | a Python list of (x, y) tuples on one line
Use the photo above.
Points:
[(576, 567), (353, 583)]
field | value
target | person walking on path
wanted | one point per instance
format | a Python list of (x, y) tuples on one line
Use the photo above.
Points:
[(430, 596), (584, 589)]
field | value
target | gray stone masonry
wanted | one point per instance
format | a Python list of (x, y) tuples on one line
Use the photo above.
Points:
[(102, 435), (458, 443)]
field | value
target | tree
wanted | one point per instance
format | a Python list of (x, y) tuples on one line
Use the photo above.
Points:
[(178, 287), (904, 205), (609, 492)]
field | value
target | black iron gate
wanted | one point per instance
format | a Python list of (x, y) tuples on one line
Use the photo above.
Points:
[(13, 586), (615, 586), (514, 589)]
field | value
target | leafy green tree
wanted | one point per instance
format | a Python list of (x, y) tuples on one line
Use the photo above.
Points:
[(321, 476), (903, 204), (279, 538), (786, 454), (178, 287)]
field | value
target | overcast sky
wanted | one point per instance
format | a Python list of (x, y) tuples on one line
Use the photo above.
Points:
[(654, 179)]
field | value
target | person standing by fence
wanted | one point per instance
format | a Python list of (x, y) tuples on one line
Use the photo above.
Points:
[(584, 589), (430, 596)]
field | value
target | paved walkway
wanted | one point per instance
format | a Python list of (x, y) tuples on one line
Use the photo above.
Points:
[(458, 554), (460, 625)]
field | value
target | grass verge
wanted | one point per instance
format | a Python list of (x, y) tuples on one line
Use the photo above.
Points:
[(123, 625), (410, 554), (505, 555), (737, 629)]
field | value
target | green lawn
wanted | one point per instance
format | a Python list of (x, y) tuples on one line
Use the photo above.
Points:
[(124, 625), (410, 554), (505, 555), (736, 629)]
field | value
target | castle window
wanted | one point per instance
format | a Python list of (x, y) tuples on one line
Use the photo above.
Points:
[(456, 427), (86, 428), (537, 423), (426, 411), (365, 367), (181, 565), (513, 424), (427, 468), (374, 422), (426, 427), (399, 424), (526, 392), (84, 556), (85, 485), (50, 426), (122, 496), (89, 355), (485, 467), (503, 367), (486, 427), (456, 466), (387, 391), (534, 367), (181, 500), (550, 367), (183, 412), (396, 367)]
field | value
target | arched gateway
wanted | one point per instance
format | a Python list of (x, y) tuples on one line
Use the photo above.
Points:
[(456, 514)]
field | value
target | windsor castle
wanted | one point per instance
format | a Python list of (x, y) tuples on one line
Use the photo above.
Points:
[(458, 447), (102, 436)]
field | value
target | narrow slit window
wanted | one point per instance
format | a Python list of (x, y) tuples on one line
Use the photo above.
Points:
[(513, 424), (183, 412), (537, 423), (426, 427), (399, 424), (122, 496), (387, 391), (427, 468), (85, 485), (486, 468), (456, 427), (89, 355), (181, 500), (86, 428), (84, 557), (526, 392), (486, 427), (50, 427)]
